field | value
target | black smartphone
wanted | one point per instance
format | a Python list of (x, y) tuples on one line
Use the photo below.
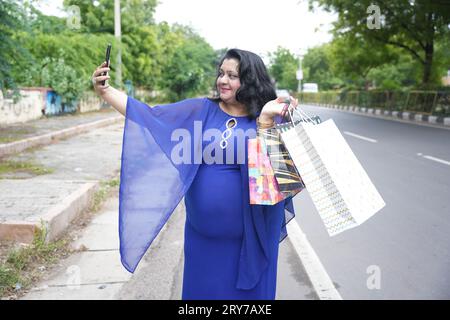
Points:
[(107, 55), (285, 114)]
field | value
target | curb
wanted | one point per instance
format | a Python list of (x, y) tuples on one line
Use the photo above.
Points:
[(55, 221), (58, 218), (403, 116), (45, 139), (317, 275)]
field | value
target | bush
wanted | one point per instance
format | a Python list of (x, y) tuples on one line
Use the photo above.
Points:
[(63, 79)]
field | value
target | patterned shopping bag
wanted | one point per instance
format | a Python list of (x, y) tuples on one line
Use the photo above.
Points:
[(262, 183), (289, 181), (341, 190)]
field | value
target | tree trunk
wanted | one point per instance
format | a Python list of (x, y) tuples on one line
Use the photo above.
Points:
[(429, 50)]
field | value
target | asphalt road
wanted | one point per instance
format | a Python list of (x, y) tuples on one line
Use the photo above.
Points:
[(403, 251)]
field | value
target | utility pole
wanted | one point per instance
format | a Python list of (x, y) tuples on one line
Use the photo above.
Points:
[(117, 34), (299, 73)]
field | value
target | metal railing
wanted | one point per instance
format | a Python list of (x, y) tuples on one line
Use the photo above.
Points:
[(424, 102)]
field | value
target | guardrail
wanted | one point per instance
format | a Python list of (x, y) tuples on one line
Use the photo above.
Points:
[(436, 103)]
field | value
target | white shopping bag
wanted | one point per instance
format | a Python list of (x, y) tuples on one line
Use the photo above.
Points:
[(341, 190)]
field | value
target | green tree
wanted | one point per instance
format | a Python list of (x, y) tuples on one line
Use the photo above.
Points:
[(13, 18), (81, 52), (56, 74), (442, 58), (404, 74), (154, 56), (189, 68), (283, 68), (414, 26), (318, 68), (98, 16), (353, 57), (47, 24), (143, 55)]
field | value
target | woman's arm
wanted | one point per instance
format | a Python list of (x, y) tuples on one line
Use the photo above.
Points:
[(111, 95), (116, 98)]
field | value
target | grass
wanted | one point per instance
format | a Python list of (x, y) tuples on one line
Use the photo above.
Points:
[(10, 166), (103, 192), (9, 277), (8, 139), (19, 267), (14, 134)]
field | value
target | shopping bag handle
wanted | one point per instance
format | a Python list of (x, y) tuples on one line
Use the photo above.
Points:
[(299, 110), (302, 115)]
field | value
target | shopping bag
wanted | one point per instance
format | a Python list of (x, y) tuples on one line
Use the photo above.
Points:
[(287, 176), (263, 186), (339, 187), (297, 118)]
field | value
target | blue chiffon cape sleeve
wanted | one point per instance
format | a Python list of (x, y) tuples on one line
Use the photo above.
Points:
[(152, 185)]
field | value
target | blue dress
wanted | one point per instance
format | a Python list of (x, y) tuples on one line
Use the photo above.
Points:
[(231, 247)]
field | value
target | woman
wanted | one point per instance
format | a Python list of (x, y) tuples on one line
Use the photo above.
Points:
[(231, 247)]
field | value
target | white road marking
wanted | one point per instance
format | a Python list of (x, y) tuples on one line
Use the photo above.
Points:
[(360, 137), (317, 274), (434, 159)]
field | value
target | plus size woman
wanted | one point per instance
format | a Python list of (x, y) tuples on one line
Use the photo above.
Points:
[(197, 149)]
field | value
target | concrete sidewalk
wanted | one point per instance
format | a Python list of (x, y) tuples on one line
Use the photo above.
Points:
[(89, 153), (44, 125), (96, 272), (19, 137)]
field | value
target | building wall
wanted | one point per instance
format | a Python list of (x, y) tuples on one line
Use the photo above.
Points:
[(90, 102), (29, 107), (36, 102)]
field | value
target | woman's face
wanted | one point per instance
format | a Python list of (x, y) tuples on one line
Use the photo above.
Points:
[(228, 81)]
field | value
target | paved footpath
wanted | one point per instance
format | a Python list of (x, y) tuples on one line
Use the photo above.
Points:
[(95, 271), (45, 125), (77, 164)]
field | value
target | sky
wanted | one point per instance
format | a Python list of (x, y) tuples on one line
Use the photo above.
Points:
[(255, 25)]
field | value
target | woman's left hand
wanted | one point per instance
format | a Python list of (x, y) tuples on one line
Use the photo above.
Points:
[(274, 108)]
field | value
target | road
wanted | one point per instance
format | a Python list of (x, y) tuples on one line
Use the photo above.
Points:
[(403, 251)]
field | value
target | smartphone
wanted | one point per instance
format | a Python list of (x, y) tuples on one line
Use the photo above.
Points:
[(285, 115), (107, 55)]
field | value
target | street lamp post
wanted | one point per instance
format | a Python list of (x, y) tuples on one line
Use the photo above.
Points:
[(299, 73)]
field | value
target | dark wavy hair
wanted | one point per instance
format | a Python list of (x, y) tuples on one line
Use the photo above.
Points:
[(256, 86)]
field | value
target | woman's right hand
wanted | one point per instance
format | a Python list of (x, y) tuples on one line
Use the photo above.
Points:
[(97, 79), (276, 107)]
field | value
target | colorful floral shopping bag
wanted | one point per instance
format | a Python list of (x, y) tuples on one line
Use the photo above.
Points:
[(262, 183)]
